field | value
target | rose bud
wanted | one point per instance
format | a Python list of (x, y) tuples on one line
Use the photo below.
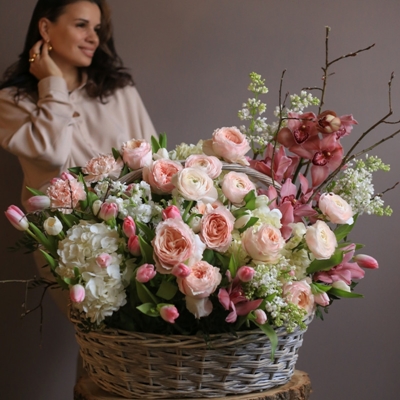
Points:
[(52, 226), (17, 218), (129, 226), (103, 260), (169, 313), (38, 203), (245, 273), (134, 245), (181, 270), (77, 293), (145, 273), (261, 317), (108, 211), (171, 212), (365, 261)]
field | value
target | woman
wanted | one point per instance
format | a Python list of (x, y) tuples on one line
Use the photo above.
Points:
[(67, 98)]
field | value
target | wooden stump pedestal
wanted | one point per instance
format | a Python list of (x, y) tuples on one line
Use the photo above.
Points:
[(298, 388)]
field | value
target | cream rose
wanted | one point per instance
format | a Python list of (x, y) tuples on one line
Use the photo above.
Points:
[(195, 184), (136, 153), (159, 175), (102, 167), (263, 243), (336, 209), (299, 293), (201, 282), (211, 165), (216, 228), (321, 240), (235, 186), (229, 144), (175, 243)]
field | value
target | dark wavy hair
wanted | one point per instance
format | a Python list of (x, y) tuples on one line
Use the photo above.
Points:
[(106, 72)]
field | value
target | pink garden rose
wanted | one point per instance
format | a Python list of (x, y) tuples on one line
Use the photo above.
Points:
[(216, 228), (65, 194), (195, 184), (175, 243), (202, 281), (299, 293), (159, 175), (136, 153), (229, 144), (263, 243), (321, 240), (335, 208), (103, 166), (145, 273), (235, 186), (211, 165)]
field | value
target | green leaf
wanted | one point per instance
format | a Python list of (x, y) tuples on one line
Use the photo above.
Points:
[(167, 290), (149, 309), (155, 145), (146, 251), (326, 265), (43, 239), (144, 294), (83, 203), (319, 288), (233, 265), (208, 255), (273, 337), (163, 140), (35, 192), (76, 170), (250, 200), (148, 233), (61, 283), (116, 154), (77, 272), (224, 260), (250, 223), (50, 260), (344, 293)]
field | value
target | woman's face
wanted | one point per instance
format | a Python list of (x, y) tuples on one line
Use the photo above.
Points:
[(74, 35)]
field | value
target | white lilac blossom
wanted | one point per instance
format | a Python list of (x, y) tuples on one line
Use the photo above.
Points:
[(354, 185)]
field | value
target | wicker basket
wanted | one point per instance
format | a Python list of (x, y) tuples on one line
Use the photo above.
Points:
[(149, 366)]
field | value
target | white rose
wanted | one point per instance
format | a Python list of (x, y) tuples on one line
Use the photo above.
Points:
[(336, 209), (321, 240)]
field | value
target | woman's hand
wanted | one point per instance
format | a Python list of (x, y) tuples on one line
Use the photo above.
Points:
[(42, 64)]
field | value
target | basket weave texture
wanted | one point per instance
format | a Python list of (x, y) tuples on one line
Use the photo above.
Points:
[(149, 366)]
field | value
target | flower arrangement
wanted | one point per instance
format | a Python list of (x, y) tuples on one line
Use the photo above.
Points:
[(151, 240)]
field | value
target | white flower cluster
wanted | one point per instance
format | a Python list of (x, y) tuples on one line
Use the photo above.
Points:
[(104, 286), (355, 186)]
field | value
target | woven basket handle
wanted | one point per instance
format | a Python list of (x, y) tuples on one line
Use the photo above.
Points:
[(250, 172)]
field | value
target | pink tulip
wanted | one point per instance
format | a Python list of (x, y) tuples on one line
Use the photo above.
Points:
[(129, 226), (38, 203), (171, 212), (322, 299), (145, 273), (365, 261), (103, 260), (134, 245), (108, 211), (181, 270), (77, 293), (245, 273), (17, 218), (169, 313), (261, 317), (66, 176)]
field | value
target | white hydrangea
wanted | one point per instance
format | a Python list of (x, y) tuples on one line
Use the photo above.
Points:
[(104, 287)]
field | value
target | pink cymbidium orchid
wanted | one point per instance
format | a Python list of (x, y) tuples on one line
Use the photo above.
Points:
[(346, 271), (346, 127), (233, 298)]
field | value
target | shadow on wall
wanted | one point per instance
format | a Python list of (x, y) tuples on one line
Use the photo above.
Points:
[(25, 351)]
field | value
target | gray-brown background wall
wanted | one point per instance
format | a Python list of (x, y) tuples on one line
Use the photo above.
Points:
[(190, 60)]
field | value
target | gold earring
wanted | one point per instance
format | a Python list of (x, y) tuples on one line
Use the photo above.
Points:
[(50, 47)]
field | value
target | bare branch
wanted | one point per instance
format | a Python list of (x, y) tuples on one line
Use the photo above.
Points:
[(353, 54), (387, 190)]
